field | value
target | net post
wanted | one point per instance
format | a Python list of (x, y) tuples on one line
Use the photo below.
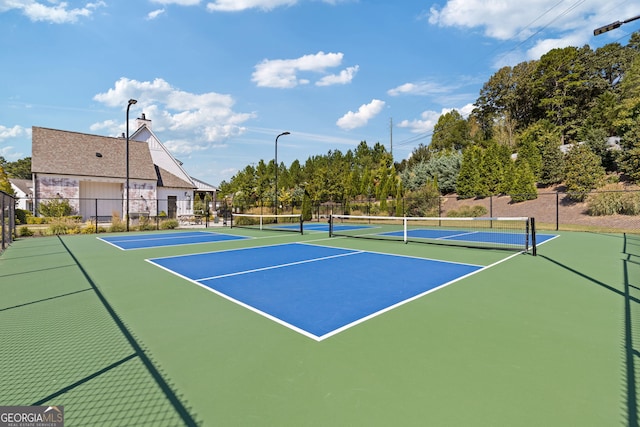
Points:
[(301, 225), (534, 246), (231, 221), (330, 225), (404, 221), (261, 221)]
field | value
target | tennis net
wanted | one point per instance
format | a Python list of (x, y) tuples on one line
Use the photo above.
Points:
[(516, 233), (288, 222)]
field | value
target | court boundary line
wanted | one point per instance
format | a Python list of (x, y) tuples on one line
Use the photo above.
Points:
[(273, 267), (320, 338), (240, 237)]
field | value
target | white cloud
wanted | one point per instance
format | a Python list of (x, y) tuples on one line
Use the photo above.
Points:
[(428, 119), (13, 132), (176, 113), (419, 88), (239, 5), (545, 24), (154, 14), (178, 2), (16, 133), (360, 118), (345, 76), (283, 73), (59, 13)]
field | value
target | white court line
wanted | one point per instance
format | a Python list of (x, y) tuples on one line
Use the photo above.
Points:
[(272, 267)]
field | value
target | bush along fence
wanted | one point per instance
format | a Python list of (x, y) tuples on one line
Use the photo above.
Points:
[(599, 211), (83, 215), (8, 208)]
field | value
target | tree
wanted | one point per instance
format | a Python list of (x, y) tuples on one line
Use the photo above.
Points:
[(552, 171), (493, 167), (563, 89), (583, 172), (424, 201), (528, 151), (20, 169), (450, 133), (523, 183), (469, 183), (5, 185)]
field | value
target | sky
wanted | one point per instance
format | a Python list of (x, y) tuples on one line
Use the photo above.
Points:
[(220, 79)]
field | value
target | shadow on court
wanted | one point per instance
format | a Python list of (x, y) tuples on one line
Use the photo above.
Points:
[(72, 349), (631, 333)]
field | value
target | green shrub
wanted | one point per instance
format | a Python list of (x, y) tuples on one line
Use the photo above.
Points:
[(169, 224), (55, 208), (25, 232), (612, 201), (21, 216), (61, 226), (116, 227), (117, 224), (468, 212), (36, 220)]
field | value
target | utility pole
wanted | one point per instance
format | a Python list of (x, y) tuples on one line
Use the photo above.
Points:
[(391, 135)]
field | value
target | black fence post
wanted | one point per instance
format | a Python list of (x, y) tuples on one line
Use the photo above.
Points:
[(557, 210)]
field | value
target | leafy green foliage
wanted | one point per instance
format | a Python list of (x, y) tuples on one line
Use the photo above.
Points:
[(424, 201), (55, 208), (450, 133), (5, 185), (583, 172), (522, 183), (470, 183), (476, 211), (611, 201), (20, 169)]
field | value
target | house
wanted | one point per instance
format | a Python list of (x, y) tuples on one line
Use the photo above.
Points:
[(90, 172), (23, 189)]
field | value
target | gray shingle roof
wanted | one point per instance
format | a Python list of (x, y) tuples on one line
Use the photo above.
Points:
[(72, 153), (167, 179)]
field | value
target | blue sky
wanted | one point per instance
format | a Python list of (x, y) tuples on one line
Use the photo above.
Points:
[(221, 78)]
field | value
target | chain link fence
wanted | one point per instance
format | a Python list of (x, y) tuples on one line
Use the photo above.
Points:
[(599, 211)]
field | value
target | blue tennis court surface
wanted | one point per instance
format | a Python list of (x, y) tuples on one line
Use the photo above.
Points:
[(315, 290), (323, 226), (152, 240), (516, 239)]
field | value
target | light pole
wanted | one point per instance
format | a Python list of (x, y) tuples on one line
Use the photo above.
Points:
[(131, 102), (613, 26), (276, 165)]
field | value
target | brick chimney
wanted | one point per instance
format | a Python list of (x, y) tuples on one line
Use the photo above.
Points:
[(140, 121)]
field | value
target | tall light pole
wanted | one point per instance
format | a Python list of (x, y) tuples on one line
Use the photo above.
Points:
[(613, 26), (276, 165), (131, 102)]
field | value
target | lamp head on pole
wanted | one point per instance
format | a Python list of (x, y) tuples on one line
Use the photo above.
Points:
[(133, 101)]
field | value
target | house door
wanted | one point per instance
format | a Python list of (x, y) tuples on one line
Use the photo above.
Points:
[(172, 202)]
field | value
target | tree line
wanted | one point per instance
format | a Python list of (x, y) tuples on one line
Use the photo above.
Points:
[(538, 123), (535, 124)]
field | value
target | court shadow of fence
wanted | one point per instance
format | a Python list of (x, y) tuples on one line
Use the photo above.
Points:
[(631, 332), (73, 350)]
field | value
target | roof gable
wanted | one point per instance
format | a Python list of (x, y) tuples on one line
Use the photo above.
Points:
[(72, 153), (167, 179)]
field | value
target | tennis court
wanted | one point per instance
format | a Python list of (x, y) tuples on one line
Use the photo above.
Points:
[(141, 241), (268, 281), (286, 329)]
